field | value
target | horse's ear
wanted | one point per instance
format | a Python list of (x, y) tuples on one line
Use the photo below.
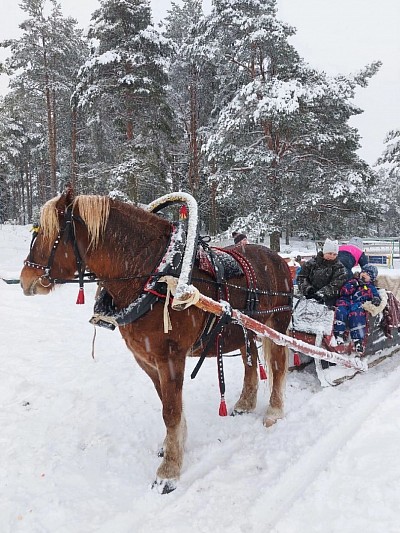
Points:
[(68, 194)]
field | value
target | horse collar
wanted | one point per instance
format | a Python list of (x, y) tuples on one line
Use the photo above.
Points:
[(105, 313)]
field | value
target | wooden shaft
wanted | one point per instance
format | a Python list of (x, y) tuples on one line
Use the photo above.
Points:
[(218, 308)]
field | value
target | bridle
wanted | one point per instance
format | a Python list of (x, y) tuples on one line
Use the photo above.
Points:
[(67, 233)]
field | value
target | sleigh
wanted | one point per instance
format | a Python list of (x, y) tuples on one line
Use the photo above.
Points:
[(312, 323)]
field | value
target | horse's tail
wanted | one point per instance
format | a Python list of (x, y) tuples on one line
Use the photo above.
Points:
[(268, 347)]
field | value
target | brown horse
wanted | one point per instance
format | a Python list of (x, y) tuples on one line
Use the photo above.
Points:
[(122, 244)]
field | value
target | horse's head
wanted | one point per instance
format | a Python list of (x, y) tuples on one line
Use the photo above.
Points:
[(52, 255)]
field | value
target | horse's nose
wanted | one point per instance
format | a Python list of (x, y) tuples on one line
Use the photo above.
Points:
[(26, 291)]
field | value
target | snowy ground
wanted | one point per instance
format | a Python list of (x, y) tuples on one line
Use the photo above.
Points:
[(79, 436)]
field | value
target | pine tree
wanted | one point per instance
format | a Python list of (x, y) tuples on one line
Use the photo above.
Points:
[(387, 189), (280, 126), (42, 64), (185, 93), (123, 89)]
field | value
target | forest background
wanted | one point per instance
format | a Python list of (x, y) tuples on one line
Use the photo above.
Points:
[(220, 105)]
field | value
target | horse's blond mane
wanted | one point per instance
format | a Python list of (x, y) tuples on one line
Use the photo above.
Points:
[(49, 224), (94, 211)]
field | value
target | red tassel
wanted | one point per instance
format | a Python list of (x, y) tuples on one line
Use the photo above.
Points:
[(263, 374), (81, 296), (296, 359), (222, 408), (183, 213)]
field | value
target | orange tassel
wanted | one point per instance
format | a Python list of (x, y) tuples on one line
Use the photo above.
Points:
[(222, 408), (296, 359), (263, 374), (81, 296)]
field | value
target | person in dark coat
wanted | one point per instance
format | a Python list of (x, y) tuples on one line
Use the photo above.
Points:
[(322, 277), (239, 239), (351, 255), (350, 311)]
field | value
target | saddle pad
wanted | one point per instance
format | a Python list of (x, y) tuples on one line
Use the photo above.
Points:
[(232, 269)]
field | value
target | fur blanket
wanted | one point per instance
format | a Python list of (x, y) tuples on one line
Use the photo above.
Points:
[(390, 283), (376, 309)]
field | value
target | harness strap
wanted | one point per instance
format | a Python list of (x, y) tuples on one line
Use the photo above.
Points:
[(251, 279), (224, 319), (221, 378), (167, 318)]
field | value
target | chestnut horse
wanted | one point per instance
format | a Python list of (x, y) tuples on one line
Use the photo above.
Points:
[(122, 244)]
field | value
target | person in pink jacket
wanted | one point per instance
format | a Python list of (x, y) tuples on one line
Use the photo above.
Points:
[(352, 254)]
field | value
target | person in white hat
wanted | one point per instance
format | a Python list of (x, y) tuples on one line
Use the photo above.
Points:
[(322, 277)]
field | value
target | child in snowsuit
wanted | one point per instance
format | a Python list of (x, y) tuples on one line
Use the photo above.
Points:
[(350, 310)]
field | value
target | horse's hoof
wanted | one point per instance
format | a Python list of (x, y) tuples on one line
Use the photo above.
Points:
[(164, 486), (235, 412), (268, 422)]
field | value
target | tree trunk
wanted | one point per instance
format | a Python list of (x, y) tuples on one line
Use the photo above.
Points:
[(194, 152), (287, 234), (74, 158), (51, 129), (133, 188), (213, 224), (28, 182), (129, 105), (274, 241), (129, 128), (22, 203)]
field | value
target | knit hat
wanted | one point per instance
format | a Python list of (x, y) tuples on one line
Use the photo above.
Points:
[(239, 237), (330, 247), (357, 242), (371, 270)]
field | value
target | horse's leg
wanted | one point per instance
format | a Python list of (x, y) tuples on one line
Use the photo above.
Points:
[(152, 372), (276, 358), (248, 397), (171, 373)]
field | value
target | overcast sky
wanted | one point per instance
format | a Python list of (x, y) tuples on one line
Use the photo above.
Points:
[(338, 37)]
